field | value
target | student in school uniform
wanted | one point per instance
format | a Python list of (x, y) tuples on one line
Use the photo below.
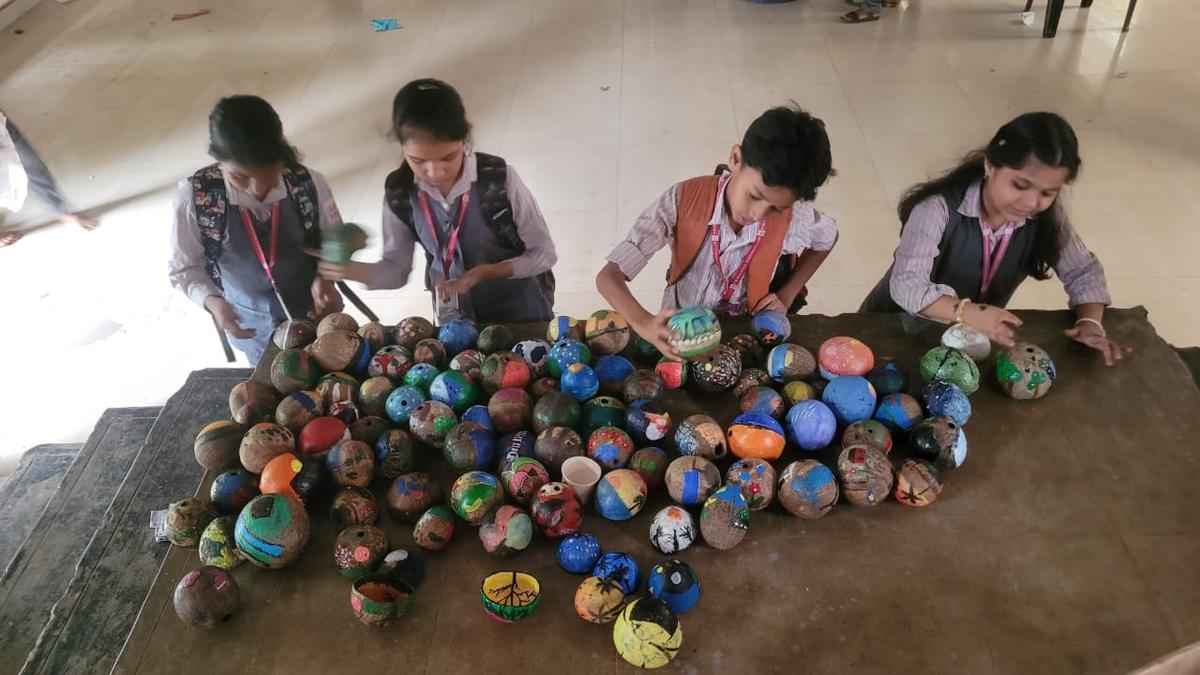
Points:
[(22, 170), (487, 248), (970, 237), (742, 241), (242, 226)]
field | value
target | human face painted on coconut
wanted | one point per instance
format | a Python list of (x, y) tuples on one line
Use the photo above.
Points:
[(254, 180), (436, 161), (747, 198), (1014, 194)]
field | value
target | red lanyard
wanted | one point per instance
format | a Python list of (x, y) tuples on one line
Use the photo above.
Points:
[(452, 245), (991, 260), (268, 265), (714, 237)]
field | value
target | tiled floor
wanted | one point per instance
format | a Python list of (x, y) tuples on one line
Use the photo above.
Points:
[(600, 104)]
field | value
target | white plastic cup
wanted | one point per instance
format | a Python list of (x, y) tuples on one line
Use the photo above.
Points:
[(582, 474)]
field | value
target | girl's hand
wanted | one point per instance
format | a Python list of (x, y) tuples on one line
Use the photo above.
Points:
[(996, 323), (654, 330), (326, 298), (227, 317), (1090, 334), (456, 287)]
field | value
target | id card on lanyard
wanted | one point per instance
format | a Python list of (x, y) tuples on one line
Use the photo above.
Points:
[(446, 256), (268, 264), (726, 306)]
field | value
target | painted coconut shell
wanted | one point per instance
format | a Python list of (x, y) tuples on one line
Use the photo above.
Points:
[(217, 546), (693, 332), (870, 433), (674, 374), (186, 520), (610, 447), (790, 363), (599, 600), (611, 371), (842, 355), (771, 327), (866, 475), (298, 409), (918, 483), (495, 338), (748, 349), (292, 334), (457, 335), (504, 370), (378, 599), (749, 379), (434, 529), (580, 381), (939, 440), (206, 597), (534, 353), (358, 549), (756, 435), (410, 494), (950, 365), (556, 510), (216, 446), (563, 326), (511, 410), (691, 479), (354, 506), (675, 583), (700, 435), (578, 553), (1025, 371), (510, 596), (564, 353), (647, 634), (807, 489), (252, 401), (336, 321), (475, 493), (556, 409), (293, 370), (522, 478), (412, 330), (351, 463), (431, 421), (320, 435), (651, 464), (337, 350), (469, 446), (943, 399), (555, 445), (851, 398), (395, 454), (672, 530), (421, 376), (272, 530), (647, 422), (402, 402), (899, 412), (606, 332), (506, 531), (763, 401), (725, 518), (232, 490), (620, 494), (756, 478), (621, 567), (391, 362), (811, 424), (968, 340), (887, 379), (643, 385), (455, 390), (717, 371)]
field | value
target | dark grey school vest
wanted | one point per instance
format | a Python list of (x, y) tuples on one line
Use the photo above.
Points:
[(488, 236), (959, 263)]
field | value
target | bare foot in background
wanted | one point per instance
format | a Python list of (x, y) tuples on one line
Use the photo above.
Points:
[(9, 238), (76, 219)]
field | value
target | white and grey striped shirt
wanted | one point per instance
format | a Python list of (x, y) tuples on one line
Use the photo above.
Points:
[(702, 285), (1081, 273)]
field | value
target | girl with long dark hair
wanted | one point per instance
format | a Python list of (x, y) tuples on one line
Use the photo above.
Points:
[(970, 237)]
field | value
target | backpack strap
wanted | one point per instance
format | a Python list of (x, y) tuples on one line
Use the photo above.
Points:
[(210, 204), (302, 189), (491, 186)]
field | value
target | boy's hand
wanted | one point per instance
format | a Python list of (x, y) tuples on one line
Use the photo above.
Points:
[(352, 270), (654, 330), (769, 301), (227, 317)]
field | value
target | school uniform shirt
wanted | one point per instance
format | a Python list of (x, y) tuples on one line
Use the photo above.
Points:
[(1079, 269), (187, 262), (702, 284), (399, 239)]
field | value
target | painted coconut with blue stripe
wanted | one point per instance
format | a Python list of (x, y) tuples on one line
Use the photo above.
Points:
[(675, 583), (807, 489), (691, 479), (694, 331), (272, 530), (563, 326)]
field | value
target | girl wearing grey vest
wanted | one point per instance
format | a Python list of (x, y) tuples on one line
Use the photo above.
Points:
[(242, 226), (487, 248), (970, 237)]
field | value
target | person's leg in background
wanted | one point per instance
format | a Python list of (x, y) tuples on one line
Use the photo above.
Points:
[(868, 10), (42, 183)]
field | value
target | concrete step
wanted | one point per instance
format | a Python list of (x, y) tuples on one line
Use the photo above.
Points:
[(25, 493)]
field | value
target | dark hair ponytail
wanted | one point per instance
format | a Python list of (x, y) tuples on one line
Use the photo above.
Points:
[(247, 130), (1043, 136), (432, 107)]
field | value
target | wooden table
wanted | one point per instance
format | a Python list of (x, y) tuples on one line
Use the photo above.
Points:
[(1067, 543)]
